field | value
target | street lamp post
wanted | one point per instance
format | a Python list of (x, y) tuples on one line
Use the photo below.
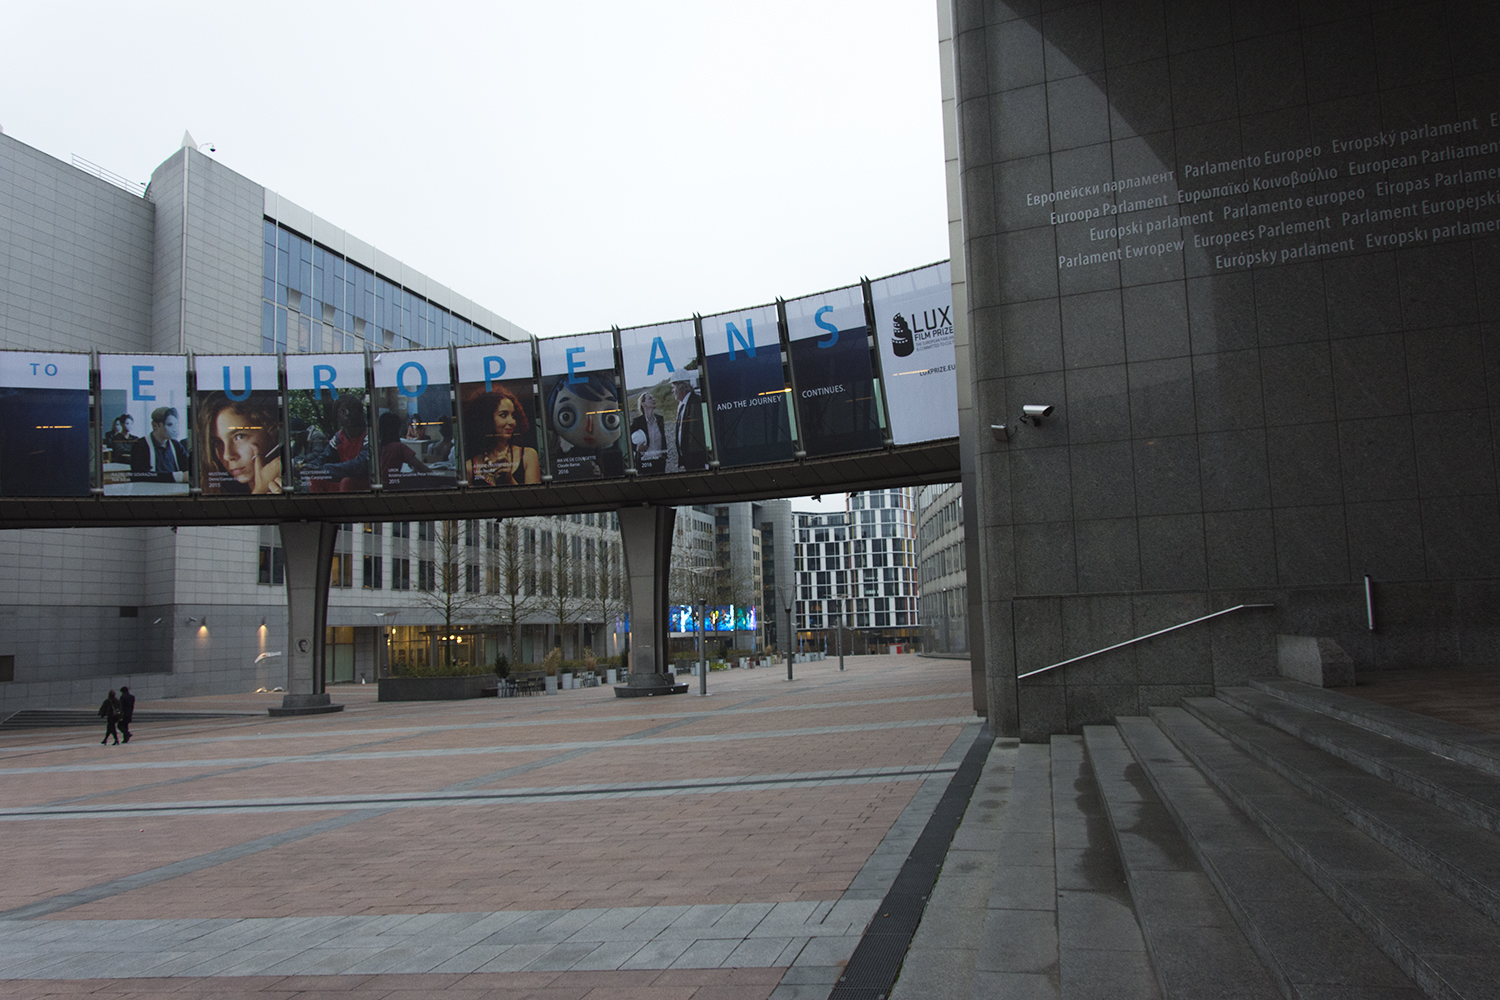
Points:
[(790, 633), (702, 666), (703, 631), (842, 596)]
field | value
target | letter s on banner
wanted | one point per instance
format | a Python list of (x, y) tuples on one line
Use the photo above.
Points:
[(833, 331)]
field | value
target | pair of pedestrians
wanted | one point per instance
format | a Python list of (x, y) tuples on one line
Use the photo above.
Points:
[(117, 713)]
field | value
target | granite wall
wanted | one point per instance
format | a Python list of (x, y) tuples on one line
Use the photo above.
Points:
[(1250, 252)]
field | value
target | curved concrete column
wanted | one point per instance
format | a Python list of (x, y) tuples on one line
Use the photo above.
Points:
[(646, 533), (309, 557)]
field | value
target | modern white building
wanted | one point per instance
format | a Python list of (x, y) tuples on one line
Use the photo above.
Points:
[(859, 567), (208, 261)]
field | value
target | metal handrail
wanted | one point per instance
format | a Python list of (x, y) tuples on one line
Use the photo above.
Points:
[(1139, 638)]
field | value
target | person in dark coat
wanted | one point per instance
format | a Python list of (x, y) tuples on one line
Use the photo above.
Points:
[(692, 449), (109, 711), (127, 711)]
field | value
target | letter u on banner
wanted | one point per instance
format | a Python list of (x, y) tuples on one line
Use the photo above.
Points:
[(240, 396)]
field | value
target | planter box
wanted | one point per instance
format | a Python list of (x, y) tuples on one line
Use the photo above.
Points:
[(435, 688)]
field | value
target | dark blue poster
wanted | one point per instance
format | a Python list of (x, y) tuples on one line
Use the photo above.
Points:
[(830, 349), (44, 403), (747, 388)]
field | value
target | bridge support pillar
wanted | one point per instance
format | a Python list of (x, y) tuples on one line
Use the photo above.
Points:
[(308, 548), (646, 533)]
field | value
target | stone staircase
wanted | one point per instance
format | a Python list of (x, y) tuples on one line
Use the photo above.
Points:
[(1276, 840)]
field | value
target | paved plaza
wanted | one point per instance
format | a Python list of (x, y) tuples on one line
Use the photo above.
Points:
[(565, 846)]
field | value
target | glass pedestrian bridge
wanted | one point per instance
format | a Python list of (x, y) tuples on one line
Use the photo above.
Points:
[(852, 388)]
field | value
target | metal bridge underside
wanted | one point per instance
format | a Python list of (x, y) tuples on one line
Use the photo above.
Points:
[(910, 465)]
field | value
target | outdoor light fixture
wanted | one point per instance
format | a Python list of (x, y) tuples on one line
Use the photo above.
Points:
[(1034, 413), (1000, 431), (192, 621)]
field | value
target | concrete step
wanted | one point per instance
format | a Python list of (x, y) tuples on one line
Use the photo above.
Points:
[(1466, 791), (1430, 934), (1196, 948), (1460, 743), (1100, 949), (1305, 943), (1462, 858)]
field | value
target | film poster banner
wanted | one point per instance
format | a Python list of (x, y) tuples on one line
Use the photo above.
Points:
[(145, 447), (414, 422), (44, 399), (914, 326), (663, 398), (747, 388), (830, 349), (498, 408), (581, 399), (237, 418), (328, 422)]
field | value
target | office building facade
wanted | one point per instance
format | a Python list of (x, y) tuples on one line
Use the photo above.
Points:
[(206, 260)]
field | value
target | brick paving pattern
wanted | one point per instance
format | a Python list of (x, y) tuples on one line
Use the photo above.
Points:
[(565, 846)]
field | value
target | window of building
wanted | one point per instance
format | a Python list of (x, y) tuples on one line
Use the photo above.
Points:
[(370, 578), (400, 574), (426, 575), (270, 563)]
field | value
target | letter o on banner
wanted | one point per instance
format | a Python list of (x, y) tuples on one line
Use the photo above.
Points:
[(401, 380)]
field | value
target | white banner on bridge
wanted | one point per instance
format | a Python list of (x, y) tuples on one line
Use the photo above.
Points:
[(914, 325)]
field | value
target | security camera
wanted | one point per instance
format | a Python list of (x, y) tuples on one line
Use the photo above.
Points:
[(1033, 413)]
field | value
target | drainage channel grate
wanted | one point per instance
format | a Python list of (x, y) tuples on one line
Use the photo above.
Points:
[(872, 968)]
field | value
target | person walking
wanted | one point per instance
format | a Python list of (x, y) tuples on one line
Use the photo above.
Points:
[(127, 711), (109, 711)]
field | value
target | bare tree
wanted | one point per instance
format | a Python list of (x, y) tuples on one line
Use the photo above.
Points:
[(562, 577), (511, 592), (608, 593), (445, 585)]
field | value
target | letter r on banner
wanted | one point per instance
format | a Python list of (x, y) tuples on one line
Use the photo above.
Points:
[(323, 376)]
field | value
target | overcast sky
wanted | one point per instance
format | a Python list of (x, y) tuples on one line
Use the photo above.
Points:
[(570, 166)]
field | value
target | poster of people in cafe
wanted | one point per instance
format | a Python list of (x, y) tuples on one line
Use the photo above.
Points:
[(830, 349), (328, 418), (747, 387), (664, 407), (44, 402), (414, 423), (581, 400), (237, 417), (497, 405), (914, 326), (145, 446)]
